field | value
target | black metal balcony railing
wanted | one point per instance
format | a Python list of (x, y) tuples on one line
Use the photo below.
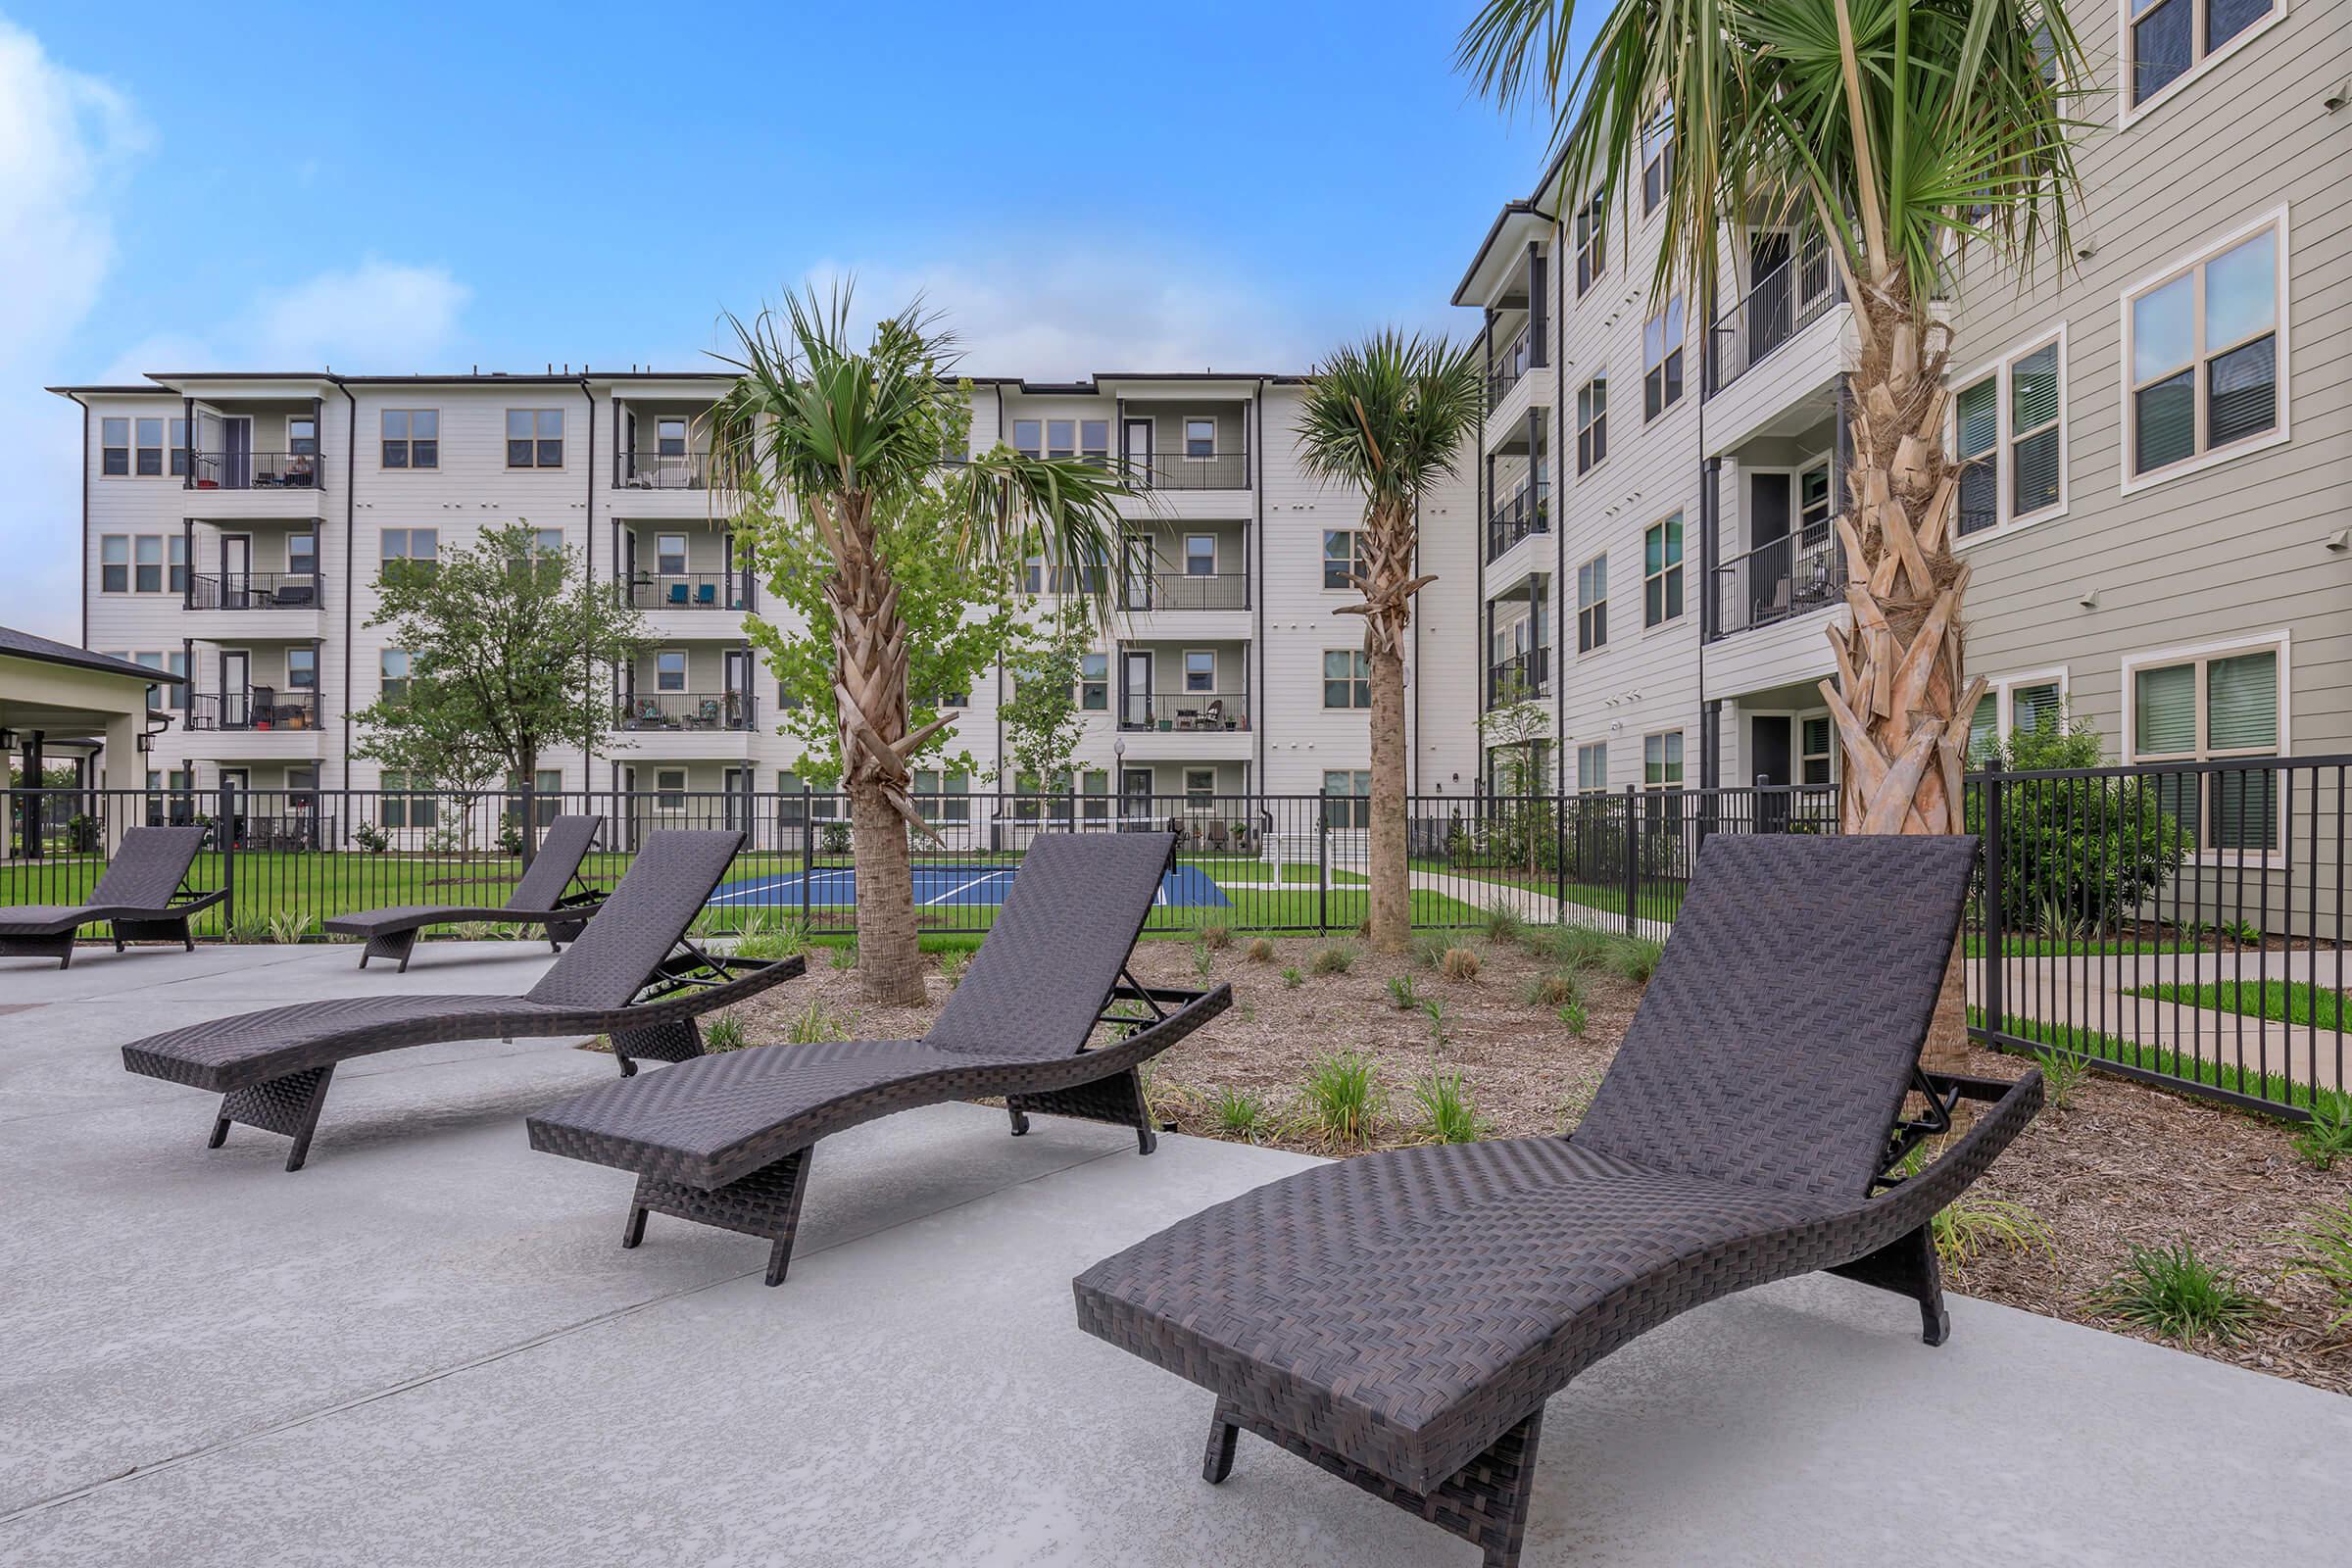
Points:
[(257, 470), (654, 470), (255, 590), (259, 708), (1180, 711), (1787, 576), (1786, 301), (1176, 471), (1522, 675), (689, 590), (1179, 590), (1527, 513), (685, 710), (1510, 364)]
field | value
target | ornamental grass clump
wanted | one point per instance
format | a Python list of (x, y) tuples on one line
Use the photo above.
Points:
[(1447, 1113), (1343, 1097), (2172, 1292), (1260, 950), (1238, 1113), (1338, 958), (1460, 963)]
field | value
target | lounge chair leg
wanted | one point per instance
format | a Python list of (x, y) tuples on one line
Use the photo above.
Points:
[(633, 1232), (389, 944), (288, 1107), (1217, 1464), (766, 1204), (681, 1040), (1117, 1100), (1907, 1267), (1020, 1120)]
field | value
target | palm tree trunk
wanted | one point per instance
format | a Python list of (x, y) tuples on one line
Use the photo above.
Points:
[(1391, 897), (890, 970)]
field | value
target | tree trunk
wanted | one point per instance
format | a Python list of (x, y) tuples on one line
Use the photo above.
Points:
[(1392, 894), (890, 961), (1900, 700)]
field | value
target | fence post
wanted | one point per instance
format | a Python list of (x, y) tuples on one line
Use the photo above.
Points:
[(1633, 866), (530, 819), (1992, 947), (1559, 857), (226, 834), (807, 848), (1322, 868)]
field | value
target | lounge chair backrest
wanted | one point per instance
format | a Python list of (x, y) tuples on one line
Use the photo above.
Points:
[(148, 868), (672, 877), (1056, 949), (1776, 1039), (561, 848)]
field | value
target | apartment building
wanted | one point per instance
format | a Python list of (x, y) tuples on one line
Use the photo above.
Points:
[(2159, 433), (235, 524)]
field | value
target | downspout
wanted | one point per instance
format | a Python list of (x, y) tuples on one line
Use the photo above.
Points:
[(1560, 516), (1478, 548), (588, 556), (1258, 600), (86, 519), (350, 559), (998, 672)]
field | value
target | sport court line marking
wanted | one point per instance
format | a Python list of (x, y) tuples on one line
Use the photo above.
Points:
[(986, 876)]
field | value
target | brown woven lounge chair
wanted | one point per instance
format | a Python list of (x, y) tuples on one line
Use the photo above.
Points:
[(542, 897), (141, 897), (1400, 1319), (727, 1141), (631, 976)]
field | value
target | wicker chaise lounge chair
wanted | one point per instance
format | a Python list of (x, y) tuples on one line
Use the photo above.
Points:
[(631, 976), (1400, 1319), (540, 898), (141, 898), (727, 1141)]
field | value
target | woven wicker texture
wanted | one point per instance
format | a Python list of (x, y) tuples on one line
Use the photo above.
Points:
[(141, 879), (561, 848), (665, 887), (539, 892)]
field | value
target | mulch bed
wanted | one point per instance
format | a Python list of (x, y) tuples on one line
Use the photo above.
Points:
[(2119, 1164)]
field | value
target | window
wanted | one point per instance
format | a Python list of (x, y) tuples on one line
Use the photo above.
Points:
[(670, 555), (1347, 678), (1593, 605), (149, 455), (546, 546), (155, 693), (1813, 507), (2005, 434), (176, 558), (2169, 38), (1593, 767), (410, 549), (393, 667), (1662, 360), (669, 436), (791, 805), (180, 448), (1657, 159), (1061, 438), (1094, 785), (1592, 423), (113, 446), (669, 670), (412, 438), (670, 789), (113, 564), (2206, 357), (1094, 442), (1592, 244), (1027, 791), (1200, 670), (1200, 555), (1816, 763), (1093, 682), (1200, 786), (301, 437), (148, 574), (2207, 708), (1348, 798), (177, 696), (534, 438), (1200, 438), (942, 796), (397, 807), (787, 701), (1662, 571), (1028, 437), (302, 669), (302, 554), (1662, 761), (1341, 561)]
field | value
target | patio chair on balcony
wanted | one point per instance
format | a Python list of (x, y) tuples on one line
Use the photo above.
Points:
[(143, 897), (706, 593), (632, 976), (543, 897), (1400, 1319), (727, 1141), (677, 593)]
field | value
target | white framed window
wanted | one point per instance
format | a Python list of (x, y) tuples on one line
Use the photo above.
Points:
[(1592, 244), (302, 554), (113, 564), (1093, 683), (1662, 360), (1657, 158), (1200, 438), (1200, 786), (669, 669), (394, 667), (2008, 434), (2015, 704), (176, 562), (943, 796), (411, 438), (1061, 438), (1094, 442), (534, 438), (1029, 437), (301, 436), (2205, 361), (669, 436), (1094, 786), (180, 448), (302, 669), (1593, 767), (670, 789), (1347, 798), (1662, 761), (2211, 703), (148, 454), (155, 693), (1813, 507), (1816, 750), (406, 549), (1593, 605), (1199, 670), (147, 571), (113, 446), (1592, 423), (1347, 678), (2163, 43), (1200, 555), (1662, 571), (176, 697), (1343, 558), (547, 546), (397, 806), (670, 555)]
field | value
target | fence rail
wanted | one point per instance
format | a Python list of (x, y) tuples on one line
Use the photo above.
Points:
[(254, 590)]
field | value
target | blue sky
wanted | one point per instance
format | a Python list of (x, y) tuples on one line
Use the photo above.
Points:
[(1233, 186)]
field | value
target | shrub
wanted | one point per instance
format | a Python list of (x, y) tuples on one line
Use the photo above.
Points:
[(1401, 994), (1215, 934), (2083, 853), (1447, 1114), (2328, 1137), (1238, 1113), (247, 928), (509, 838), (845, 956), (1344, 1095), (1460, 963), (723, 1034), (1552, 990), (1291, 978), (1580, 946), (815, 1024), (763, 938), (1573, 1015), (952, 963), (1500, 923), (1338, 958), (2323, 1252), (833, 838), (370, 838), (290, 925), (2062, 1073), (1262, 950), (2172, 1292), (1635, 959)]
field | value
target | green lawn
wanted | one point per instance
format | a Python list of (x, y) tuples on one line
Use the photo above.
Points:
[(2279, 1000), (1658, 899), (2269, 1087), (2031, 945)]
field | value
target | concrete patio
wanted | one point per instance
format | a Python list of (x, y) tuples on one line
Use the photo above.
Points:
[(428, 1346)]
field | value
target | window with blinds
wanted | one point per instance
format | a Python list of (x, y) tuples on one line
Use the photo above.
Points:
[(2204, 356), (2013, 705), (2006, 438), (2210, 709)]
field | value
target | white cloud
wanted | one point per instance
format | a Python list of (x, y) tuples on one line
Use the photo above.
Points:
[(376, 317), (64, 140)]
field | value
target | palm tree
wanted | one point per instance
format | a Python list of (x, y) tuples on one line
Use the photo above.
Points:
[(1388, 416), (832, 443)]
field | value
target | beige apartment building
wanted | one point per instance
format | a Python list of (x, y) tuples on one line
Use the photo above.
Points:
[(2160, 428)]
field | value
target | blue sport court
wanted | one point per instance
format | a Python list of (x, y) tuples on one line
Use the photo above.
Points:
[(941, 887)]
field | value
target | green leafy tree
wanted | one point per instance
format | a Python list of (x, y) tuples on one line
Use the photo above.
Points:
[(834, 444), (510, 650), (2081, 854), (1043, 721), (1387, 417), (1523, 809)]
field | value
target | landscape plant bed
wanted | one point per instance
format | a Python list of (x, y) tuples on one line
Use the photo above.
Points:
[(2117, 1165)]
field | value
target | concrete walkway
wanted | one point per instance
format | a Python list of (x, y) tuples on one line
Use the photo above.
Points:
[(428, 1347)]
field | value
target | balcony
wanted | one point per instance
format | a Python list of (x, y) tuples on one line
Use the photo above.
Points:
[(1527, 513), (684, 713), (256, 590), (1170, 470), (1778, 581), (662, 471), (688, 590), (1787, 300), (256, 709), (1520, 676), (1509, 365), (256, 471), (1185, 712), (1178, 590)]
